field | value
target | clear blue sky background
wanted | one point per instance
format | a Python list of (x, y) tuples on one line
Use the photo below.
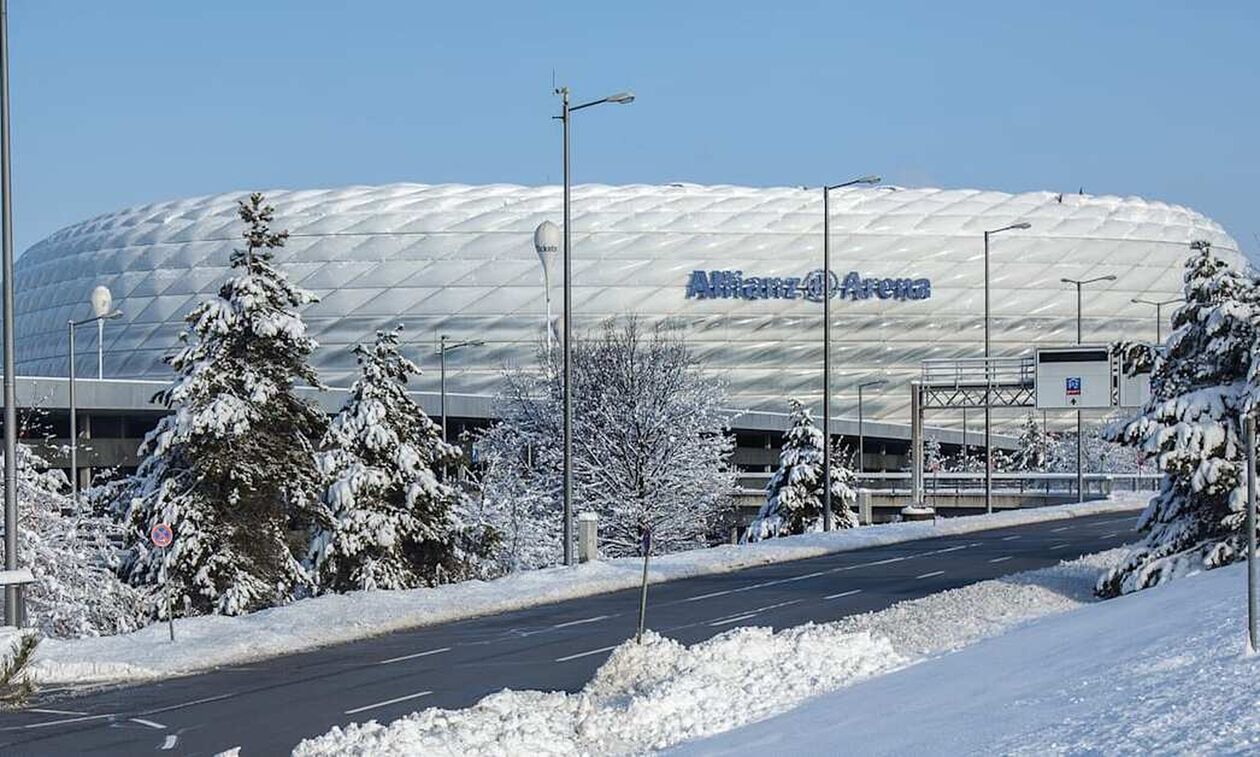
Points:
[(117, 103)]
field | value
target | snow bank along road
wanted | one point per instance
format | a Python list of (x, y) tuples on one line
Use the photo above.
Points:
[(267, 706)]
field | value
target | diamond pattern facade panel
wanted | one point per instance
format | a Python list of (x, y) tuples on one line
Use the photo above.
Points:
[(460, 260)]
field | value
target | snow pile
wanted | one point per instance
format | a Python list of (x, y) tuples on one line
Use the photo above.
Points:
[(658, 694), (1161, 671), (205, 642)]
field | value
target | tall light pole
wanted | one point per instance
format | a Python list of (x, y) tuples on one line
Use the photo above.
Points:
[(547, 240), (1159, 314), (566, 113), (1080, 426), (861, 420), (988, 372), (11, 593), (445, 346), (826, 295), (101, 307)]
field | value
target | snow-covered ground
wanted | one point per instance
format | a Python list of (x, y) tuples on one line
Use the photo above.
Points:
[(1162, 671), (660, 693), (209, 641)]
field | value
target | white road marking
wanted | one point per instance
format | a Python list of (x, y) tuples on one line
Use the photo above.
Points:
[(735, 619), (948, 549), (1010, 538), (931, 575), (710, 595), (67, 720), (414, 656), (1000, 559), (1108, 536), (395, 700), (1060, 546), (149, 723), (1060, 528), (193, 703), (586, 654), (50, 711), (583, 621), (848, 593), (804, 576), (169, 743)]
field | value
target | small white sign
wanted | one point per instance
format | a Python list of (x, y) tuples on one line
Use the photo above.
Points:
[(1134, 390), (1073, 378)]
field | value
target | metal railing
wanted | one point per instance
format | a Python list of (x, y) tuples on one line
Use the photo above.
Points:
[(979, 371), (958, 483)]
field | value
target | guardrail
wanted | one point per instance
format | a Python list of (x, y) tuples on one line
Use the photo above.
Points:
[(940, 482)]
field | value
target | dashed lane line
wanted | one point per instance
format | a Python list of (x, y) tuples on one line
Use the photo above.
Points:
[(149, 723), (933, 574), (1064, 545), (193, 703), (848, 593), (586, 654), (387, 702), (1000, 559), (1060, 529), (50, 711), (425, 653), (169, 742), (736, 619), (1010, 538)]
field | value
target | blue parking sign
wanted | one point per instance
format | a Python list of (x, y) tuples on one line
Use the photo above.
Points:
[(1074, 386)]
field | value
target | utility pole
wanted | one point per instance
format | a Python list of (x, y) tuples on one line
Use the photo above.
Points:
[(12, 593)]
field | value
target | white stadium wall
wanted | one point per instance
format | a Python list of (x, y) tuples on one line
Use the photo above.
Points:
[(460, 260)]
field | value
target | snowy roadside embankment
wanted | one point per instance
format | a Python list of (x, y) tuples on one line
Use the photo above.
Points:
[(1160, 671), (209, 641), (660, 693)]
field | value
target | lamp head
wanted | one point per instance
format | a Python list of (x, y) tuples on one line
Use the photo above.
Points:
[(621, 98), (547, 241), (1021, 225)]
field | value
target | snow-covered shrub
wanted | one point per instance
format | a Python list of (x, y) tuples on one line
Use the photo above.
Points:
[(794, 496), (1200, 385), (76, 592), (386, 520), (231, 467), (649, 442), (16, 650)]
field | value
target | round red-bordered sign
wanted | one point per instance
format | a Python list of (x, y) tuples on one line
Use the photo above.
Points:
[(162, 535)]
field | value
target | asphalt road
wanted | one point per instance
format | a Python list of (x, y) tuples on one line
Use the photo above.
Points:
[(266, 707)]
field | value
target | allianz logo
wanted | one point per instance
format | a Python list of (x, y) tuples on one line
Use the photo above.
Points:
[(711, 285)]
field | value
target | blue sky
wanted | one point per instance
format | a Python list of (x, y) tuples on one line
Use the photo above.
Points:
[(124, 102)]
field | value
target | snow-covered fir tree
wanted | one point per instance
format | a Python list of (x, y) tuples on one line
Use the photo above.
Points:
[(1199, 389), (76, 592), (231, 467), (933, 457), (386, 518), (794, 496), (1033, 452), (650, 447)]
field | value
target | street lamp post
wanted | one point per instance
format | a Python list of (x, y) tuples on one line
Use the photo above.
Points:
[(566, 111), (1080, 426), (11, 592), (826, 295), (547, 240), (1159, 314), (861, 428), (988, 372), (102, 304), (445, 346)]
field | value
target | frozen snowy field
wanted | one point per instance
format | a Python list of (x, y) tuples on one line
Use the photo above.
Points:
[(209, 641)]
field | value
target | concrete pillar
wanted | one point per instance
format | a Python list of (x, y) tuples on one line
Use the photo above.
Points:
[(588, 537), (866, 511)]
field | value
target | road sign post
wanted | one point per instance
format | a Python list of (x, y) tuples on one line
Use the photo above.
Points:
[(646, 546), (162, 535)]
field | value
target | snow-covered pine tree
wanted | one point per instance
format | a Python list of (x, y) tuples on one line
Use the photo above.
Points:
[(933, 457), (1199, 388), (386, 518), (76, 592), (231, 467), (794, 496), (1033, 453)]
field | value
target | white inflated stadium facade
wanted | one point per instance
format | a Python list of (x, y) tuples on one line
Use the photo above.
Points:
[(460, 260)]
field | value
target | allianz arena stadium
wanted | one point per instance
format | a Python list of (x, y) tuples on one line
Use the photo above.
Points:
[(733, 269)]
